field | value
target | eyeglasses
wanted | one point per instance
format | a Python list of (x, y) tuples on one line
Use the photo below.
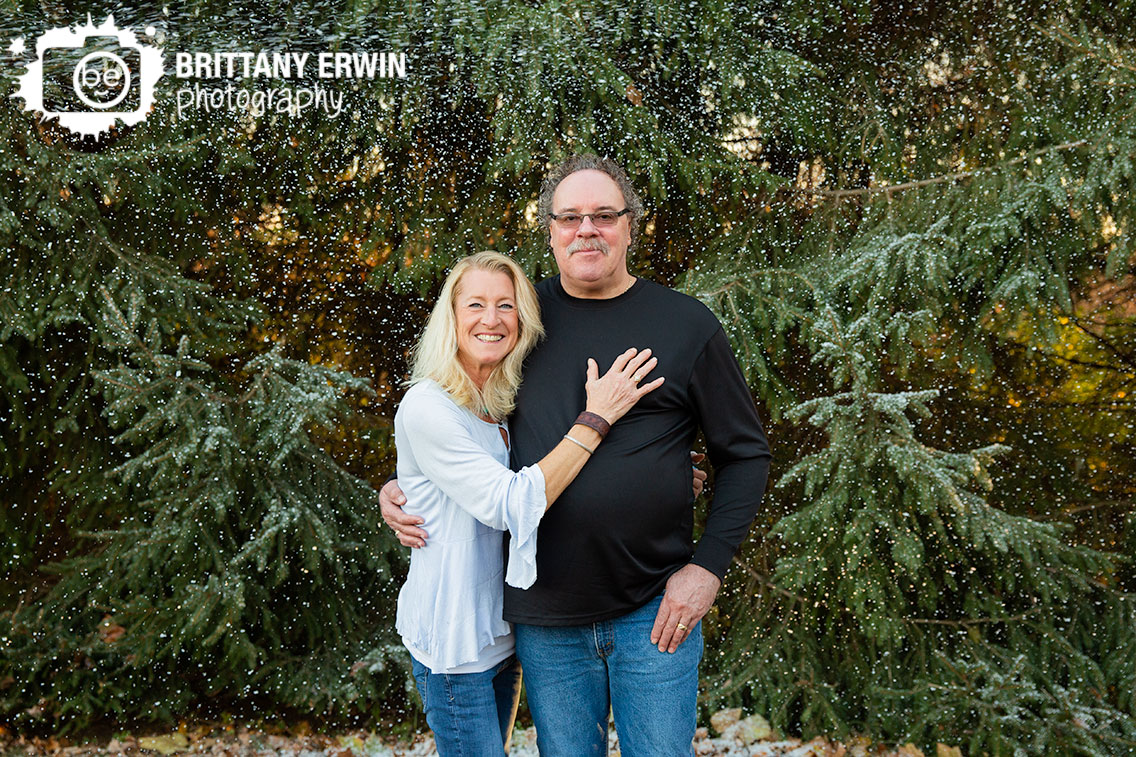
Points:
[(600, 219)]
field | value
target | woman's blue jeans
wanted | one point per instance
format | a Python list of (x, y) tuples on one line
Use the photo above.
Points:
[(575, 674), (471, 714)]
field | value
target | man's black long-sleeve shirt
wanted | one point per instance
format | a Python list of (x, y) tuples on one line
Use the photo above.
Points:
[(617, 533)]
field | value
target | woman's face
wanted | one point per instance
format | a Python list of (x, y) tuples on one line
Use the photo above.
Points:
[(486, 314)]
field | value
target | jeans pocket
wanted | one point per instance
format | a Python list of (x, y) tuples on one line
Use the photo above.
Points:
[(420, 676), (450, 682)]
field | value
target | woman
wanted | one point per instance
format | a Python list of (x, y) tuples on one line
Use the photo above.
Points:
[(453, 456)]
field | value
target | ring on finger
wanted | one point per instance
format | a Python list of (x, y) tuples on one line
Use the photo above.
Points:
[(681, 627), (636, 378)]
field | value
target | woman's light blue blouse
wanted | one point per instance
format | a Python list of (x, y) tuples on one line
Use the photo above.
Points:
[(454, 469)]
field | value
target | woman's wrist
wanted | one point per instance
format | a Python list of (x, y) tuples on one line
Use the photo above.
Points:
[(594, 421), (585, 435), (580, 444)]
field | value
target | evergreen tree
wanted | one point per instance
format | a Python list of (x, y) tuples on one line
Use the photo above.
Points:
[(195, 546), (901, 602), (903, 596)]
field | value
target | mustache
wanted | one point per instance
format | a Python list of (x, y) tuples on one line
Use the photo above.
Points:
[(595, 243)]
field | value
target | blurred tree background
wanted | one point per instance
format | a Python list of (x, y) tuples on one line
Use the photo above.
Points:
[(914, 219)]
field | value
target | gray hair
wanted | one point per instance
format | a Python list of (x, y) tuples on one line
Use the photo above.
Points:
[(590, 162)]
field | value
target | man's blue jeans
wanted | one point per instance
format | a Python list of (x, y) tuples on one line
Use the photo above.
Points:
[(574, 674), (471, 714)]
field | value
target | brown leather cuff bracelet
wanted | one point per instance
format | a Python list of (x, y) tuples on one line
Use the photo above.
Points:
[(594, 422)]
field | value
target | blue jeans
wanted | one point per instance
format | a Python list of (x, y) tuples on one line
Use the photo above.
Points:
[(575, 674), (471, 714)]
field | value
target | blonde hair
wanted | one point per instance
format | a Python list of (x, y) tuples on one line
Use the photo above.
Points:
[(436, 354)]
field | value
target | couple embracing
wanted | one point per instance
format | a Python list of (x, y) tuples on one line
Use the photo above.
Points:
[(600, 590)]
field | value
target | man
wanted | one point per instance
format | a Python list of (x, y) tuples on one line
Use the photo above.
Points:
[(612, 621)]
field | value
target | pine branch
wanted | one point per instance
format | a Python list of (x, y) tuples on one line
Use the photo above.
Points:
[(974, 621), (1112, 404), (1125, 358), (1078, 361), (143, 155), (1118, 739), (1077, 45), (764, 581), (1102, 504), (944, 179), (737, 283)]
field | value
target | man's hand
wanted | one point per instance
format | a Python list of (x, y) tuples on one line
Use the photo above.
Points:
[(405, 527), (689, 594), (699, 474)]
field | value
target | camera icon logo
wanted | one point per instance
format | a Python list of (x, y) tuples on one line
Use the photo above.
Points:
[(101, 80), (90, 77)]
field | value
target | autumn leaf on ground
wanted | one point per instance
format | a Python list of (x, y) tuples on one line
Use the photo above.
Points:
[(168, 744)]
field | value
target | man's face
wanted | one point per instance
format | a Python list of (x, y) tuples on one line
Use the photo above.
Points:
[(592, 261)]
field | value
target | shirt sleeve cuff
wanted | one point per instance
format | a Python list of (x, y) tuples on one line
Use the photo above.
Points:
[(713, 554), (522, 521)]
